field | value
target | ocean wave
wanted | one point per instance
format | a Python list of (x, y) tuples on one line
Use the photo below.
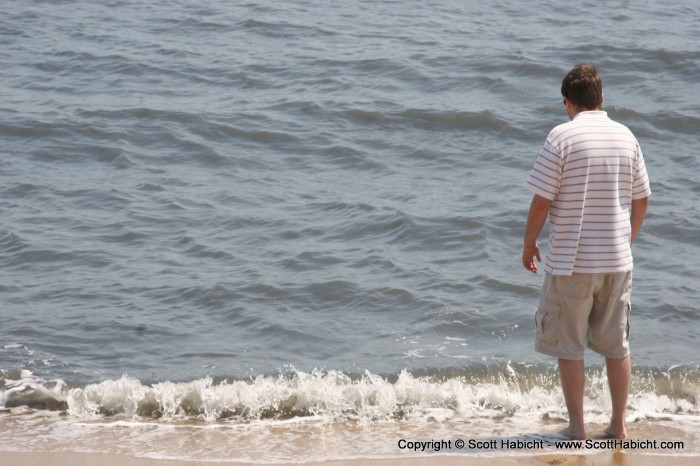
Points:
[(333, 395), (435, 120)]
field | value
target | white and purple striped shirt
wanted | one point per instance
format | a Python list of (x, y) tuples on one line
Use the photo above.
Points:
[(591, 168)]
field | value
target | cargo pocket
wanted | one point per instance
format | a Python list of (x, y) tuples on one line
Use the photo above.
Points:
[(547, 322), (628, 310)]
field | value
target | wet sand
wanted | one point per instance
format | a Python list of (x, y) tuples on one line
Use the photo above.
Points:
[(612, 458)]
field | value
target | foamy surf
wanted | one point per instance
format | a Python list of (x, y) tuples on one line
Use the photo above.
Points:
[(264, 419), (485, 391)]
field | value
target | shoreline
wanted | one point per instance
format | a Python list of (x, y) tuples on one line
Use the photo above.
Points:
[(32, 439), (610, 458)]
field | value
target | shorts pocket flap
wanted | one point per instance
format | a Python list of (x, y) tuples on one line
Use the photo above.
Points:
[(547, 321)]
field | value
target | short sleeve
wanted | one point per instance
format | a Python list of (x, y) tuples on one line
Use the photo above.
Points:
[(640, 187), (545, 177)]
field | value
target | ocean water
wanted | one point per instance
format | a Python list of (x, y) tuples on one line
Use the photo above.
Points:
[(228, 229)]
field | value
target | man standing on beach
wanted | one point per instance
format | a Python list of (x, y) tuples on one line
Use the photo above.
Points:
[(590, 179)]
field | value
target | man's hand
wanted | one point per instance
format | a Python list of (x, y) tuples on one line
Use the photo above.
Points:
[(535, 221), (529, 254)]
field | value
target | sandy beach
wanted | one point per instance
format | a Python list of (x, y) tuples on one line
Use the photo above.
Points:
[(613, 458), (39, 440)]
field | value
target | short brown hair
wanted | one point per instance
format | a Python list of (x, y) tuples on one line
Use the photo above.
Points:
[(583, 87)]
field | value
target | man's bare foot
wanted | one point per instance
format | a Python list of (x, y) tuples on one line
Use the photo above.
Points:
[(572, 434), (611, 433)]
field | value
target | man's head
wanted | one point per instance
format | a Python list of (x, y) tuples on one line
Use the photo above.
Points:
[(583, 88)]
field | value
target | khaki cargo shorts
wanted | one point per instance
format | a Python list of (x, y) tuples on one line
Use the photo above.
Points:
[(584, 310)]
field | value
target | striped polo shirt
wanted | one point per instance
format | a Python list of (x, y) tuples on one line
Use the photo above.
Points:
[(591, 168)]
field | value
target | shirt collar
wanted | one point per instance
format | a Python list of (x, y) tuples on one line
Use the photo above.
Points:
[(591, 114)]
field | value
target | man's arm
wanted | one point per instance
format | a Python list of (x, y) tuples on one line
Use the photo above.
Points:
[(639, 211), (539, 208)]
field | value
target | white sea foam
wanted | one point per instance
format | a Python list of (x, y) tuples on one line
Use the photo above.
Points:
[(33, 387), (358, 416), (12, 346), (334, 395)]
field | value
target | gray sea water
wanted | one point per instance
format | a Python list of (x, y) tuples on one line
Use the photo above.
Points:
[(256, 211)]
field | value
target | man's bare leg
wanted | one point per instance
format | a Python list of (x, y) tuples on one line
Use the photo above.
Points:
[(619, 378), (573, 380)]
